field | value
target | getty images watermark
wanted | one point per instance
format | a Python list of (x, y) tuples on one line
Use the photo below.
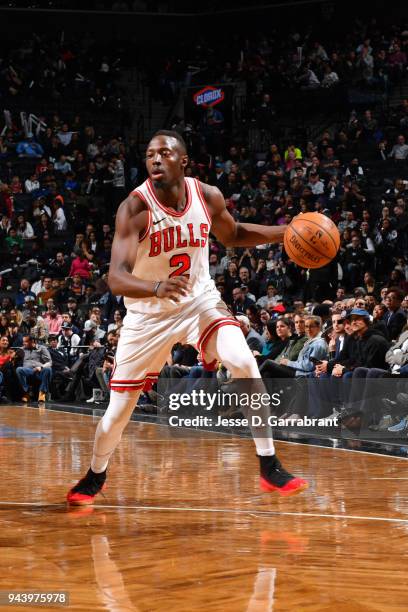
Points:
[(248, 410)]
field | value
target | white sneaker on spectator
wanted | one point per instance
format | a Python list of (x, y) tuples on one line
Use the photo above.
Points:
[(97, 397), (334, 415)]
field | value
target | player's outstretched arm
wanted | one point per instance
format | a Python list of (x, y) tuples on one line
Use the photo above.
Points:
[(231, 233), (131, 219)]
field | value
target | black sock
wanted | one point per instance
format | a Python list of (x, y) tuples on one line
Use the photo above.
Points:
[(268, 462), (100, 477)]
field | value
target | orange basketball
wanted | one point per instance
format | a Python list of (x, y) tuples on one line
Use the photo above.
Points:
[(311, 240)]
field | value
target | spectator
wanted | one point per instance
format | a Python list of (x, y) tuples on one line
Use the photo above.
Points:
[(6, 370), (14, 335), (47, 291), (61, 373), (338, 337), (253, 339), (77, 287), (239, 301), (36, 366), (76, 317), (92, 331), (53, 320), (296, 341), (330, 77), (399, 151), (355, 261), (397, 355), (104, 373), (371, 350), (315, 347), (59, 219), (117, 321), (32, 184), (68, 341), (395, 318), (277, 339), (272, 297), (24, 228), (63, 165), (23, 292), (80, 265), (59, 266), (66, 318)]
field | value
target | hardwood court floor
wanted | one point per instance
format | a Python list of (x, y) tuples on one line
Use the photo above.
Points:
[(185, 528)]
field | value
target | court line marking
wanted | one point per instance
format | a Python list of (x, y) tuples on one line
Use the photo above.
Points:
[(348, 450), (35, 442), (217, 511), (387, 478)]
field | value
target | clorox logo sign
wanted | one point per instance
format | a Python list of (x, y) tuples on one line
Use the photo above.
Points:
[(209, 96)]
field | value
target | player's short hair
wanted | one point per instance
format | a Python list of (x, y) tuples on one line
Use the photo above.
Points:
[(172, 134)]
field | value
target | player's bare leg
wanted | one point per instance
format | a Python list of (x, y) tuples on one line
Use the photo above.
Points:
[(228, 345)]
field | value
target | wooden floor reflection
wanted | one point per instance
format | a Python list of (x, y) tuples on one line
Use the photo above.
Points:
[(184, 527)]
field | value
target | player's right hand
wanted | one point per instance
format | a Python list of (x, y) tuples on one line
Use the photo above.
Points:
[(174, 288)]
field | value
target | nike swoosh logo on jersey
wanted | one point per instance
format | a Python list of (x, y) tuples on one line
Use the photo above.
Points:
[(156, 222)]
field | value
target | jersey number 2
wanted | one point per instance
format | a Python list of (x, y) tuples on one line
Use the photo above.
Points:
[(183, 264)]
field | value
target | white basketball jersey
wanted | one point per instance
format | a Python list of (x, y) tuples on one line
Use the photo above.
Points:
[(173, 244)]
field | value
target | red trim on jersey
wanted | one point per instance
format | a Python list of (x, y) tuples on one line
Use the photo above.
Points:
[(149, 212), (119, 389), (137, 380), (145, 383), (171, 211), (202, 200), (206, 335), (123, 387), (130, 382)]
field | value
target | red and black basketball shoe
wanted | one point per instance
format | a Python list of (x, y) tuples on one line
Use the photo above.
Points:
[(275, 478), (85, 491)]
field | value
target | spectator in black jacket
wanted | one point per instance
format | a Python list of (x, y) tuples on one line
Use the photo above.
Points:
[(240, 302), (395, 318), (344, 355), (60, 266), (354, 260), (323, 281), (379, 323), (325, 397), (371, 349), (371, 345), (60, 368)]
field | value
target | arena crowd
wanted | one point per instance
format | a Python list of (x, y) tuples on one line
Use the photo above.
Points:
[(62, 179)]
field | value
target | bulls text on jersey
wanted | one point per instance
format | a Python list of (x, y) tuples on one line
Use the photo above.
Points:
[(178, 237)]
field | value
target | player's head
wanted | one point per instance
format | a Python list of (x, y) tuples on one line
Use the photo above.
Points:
[(166, 158)]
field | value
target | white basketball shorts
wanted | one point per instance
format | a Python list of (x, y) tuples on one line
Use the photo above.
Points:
[(146, 340)]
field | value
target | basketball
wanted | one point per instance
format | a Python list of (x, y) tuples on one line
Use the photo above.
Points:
[(311, 240)]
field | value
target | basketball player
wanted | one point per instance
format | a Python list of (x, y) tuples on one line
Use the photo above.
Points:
[(160, 263)]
